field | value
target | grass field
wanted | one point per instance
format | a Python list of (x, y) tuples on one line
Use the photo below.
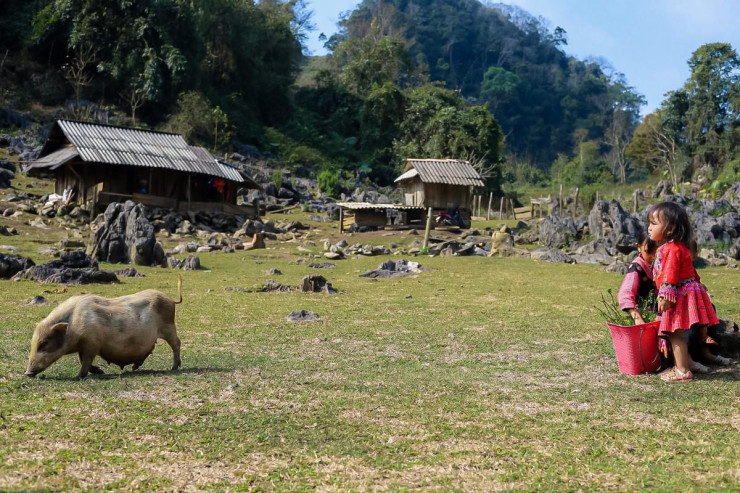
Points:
[(481, 374)]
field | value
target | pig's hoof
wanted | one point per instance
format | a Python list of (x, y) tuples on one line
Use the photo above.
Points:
[(96, 370)]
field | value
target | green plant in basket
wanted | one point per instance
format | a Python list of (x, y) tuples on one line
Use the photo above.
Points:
[(611, 312)]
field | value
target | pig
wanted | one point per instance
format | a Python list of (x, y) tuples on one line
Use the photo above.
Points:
[(120, 330)]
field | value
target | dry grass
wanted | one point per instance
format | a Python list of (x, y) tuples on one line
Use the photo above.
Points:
[(481, 374)]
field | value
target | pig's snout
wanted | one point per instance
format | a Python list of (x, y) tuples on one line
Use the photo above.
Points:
[(30, 373)]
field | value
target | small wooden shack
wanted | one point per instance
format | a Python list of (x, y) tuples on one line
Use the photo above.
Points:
[(445, 185), (99, 164)]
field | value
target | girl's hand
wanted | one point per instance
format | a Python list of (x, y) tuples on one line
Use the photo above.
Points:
[(635, 314), (663, 305)]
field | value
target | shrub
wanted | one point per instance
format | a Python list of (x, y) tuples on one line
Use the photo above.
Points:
[(329, 183), (277, 178)]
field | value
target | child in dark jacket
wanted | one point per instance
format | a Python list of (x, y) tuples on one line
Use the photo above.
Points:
[(638, 284)]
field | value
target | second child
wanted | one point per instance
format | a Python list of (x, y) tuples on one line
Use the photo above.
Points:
[(638, 284)]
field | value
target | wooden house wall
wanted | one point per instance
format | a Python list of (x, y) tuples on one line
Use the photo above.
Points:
[(437, 195), (442, 196), (154, 186), (414, 194)]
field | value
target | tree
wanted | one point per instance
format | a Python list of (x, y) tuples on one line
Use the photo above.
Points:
[(713, 93), (437, 124), (78, 70), (373, 60), (380, 117), (498, 85), (657, 147), (617, 137)]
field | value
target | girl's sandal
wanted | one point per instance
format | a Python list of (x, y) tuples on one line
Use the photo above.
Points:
[(676, 375)]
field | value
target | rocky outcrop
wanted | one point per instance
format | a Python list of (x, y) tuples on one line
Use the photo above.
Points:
[(608, 221), (73, 267), (125, 235), (10, 265), (557, 231), (392, 268)]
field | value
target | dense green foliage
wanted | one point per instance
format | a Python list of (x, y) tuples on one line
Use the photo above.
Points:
[(144, 55), (429, 78), (695, 134), (545, 101)]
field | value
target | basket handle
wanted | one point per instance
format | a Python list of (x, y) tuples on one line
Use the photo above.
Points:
[(639, 348)]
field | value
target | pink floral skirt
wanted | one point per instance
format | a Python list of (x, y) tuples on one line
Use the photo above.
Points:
[(693, 308)]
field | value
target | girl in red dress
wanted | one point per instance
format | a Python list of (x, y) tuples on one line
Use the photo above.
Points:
[(683, 302)]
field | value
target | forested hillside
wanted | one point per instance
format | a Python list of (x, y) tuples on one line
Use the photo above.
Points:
[(424, 78)]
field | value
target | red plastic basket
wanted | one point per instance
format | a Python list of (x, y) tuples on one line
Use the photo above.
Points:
[(636, 347)]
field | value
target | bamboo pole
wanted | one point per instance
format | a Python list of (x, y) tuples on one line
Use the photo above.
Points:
[(428, 229), (488, 212)]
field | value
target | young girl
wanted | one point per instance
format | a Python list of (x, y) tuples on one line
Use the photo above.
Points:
[(638, 284), (683, 302)]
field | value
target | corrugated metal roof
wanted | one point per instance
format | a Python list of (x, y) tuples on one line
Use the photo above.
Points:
[(409, 174), (55, 159), (134, 147), (368, 206), (229, 171), (447, 171)]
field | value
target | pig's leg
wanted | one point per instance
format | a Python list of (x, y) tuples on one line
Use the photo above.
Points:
[(141, 361), (86, 359), (170, 336)]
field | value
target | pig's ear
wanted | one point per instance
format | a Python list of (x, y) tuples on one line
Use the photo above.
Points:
[(60, 327)]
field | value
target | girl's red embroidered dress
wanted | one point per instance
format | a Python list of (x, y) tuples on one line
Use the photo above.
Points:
[(678, 282)]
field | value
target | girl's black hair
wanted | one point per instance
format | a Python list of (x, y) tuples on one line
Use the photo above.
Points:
[(650, 245), (674, 216)]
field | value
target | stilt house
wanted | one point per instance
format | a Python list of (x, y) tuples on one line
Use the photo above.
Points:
[(445, 185), (100, 164)]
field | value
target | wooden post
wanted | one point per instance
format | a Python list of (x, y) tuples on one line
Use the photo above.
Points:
[(575, 204), (488, 212), (597, 195), (501, 209), (634, 204), (428, 228), (341, 220), (560, 202), (189, 194)]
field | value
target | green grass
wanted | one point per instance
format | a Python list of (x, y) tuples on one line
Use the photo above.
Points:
[(481, 374)]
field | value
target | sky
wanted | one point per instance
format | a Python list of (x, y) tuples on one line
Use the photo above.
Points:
[(649, 41)]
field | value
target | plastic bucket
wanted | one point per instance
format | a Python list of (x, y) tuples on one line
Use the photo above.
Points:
[(636, 347)]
